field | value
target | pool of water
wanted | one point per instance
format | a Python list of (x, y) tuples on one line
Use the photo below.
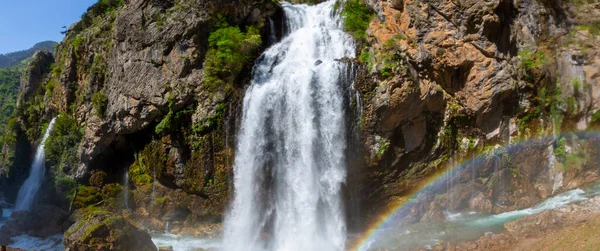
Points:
[(467, 226), (26, 242), (185, 243)]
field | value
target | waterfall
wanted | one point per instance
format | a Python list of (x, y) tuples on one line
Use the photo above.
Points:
[(126, 189), (290, 160), (36, 175), (272, 35)]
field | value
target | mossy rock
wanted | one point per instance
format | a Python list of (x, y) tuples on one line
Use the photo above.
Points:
[(103, 230)]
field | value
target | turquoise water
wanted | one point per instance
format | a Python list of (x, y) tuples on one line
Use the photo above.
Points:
[(469, 226)]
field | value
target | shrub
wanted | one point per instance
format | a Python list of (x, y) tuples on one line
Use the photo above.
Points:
[(560, 151), (357, 17), (229, 49), (164, 127), (61, 145), (99, 102), (531, 59)]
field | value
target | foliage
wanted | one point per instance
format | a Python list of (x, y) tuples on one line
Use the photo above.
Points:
[(87, 196), (531, 59), (211, 121), (61, 145), (229, 49), (65, 186), (100, 8), (99, 102), (160, 201), (139, 171), (166, 125), (357, 17), (9, 87), (383, 148), (592, 28), (596, 117), (560, 150)]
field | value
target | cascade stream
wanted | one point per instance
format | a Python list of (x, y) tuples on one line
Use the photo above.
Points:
[(290, 160), (36, 176)]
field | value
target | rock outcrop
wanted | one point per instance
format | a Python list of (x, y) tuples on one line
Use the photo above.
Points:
[(42, 222), (106, 231)]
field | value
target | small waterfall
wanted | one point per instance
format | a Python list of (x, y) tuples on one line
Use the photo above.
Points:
[(290, 159), (36, 175), (153, 195), (126, 189), (167, 228), (272, 35)]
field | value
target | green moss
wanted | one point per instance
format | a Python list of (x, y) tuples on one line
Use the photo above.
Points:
[(138, 172), (160, 201), (357, 17), (87, 196)]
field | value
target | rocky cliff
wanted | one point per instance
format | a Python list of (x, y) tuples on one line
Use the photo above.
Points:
[(444, 81)]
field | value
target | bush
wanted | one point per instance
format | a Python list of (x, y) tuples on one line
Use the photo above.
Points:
[(99, 102), (357, 17), (229, 49), (531, 59), (61, 145), (165, 126), (560, 151)]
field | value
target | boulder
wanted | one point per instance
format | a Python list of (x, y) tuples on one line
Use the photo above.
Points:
[(42, 222), (103, 230)]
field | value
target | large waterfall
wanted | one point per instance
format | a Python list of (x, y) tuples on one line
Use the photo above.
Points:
[(290, 155), (36, 175)]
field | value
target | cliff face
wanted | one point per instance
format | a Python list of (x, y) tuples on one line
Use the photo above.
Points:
[(151, 89), (446, 80)]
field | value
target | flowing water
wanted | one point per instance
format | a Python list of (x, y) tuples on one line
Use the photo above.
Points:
[(36, 176), (126, 190), (289, 164), (468, 226)]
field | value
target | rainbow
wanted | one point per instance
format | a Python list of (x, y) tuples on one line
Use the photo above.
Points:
[(391, 215)]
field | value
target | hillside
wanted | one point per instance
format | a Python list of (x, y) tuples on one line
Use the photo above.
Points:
[(14, 58)]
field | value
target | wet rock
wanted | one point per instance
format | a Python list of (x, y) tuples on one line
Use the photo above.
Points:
[(165, 248), (106, 231), (42, 221)]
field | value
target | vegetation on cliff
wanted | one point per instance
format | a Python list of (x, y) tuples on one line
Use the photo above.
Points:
[(229, 50), (61, 145), (357, 17)]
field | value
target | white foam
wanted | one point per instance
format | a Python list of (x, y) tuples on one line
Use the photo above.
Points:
[(185, 243), (52, 243)]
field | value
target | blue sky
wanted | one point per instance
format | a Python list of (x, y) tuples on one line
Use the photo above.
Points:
[(23, 23)]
